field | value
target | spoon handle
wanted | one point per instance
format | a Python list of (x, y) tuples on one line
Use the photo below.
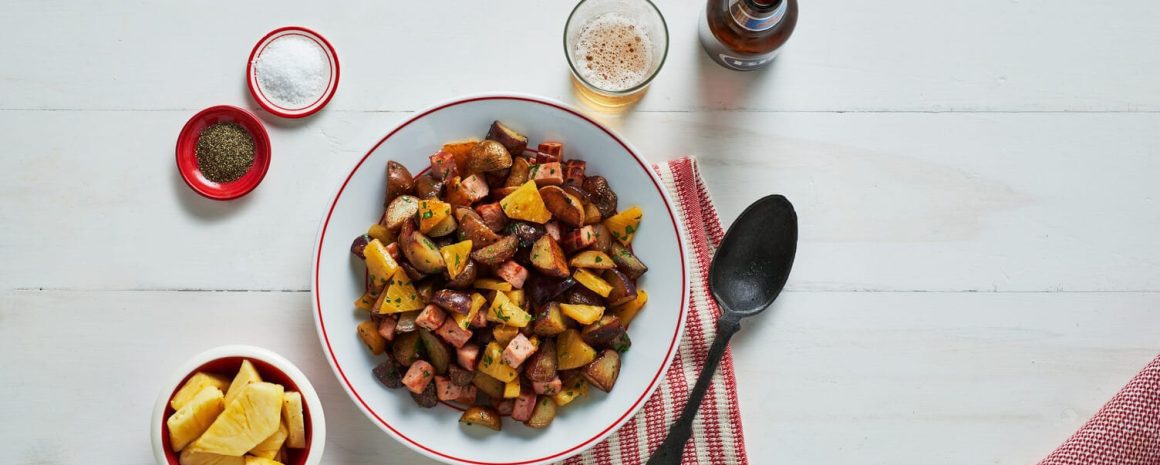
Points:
[(669, 452)]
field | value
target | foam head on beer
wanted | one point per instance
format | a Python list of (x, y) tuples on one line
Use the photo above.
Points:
[(613, 52)]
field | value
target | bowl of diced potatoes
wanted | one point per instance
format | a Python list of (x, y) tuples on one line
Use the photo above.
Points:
[(238, 405)]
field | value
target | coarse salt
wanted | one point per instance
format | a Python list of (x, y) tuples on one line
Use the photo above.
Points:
[(292, 71)]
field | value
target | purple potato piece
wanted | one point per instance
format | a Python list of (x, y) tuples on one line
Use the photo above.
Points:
[(540, 289), (359, 245), (388, 374), (428, 398), (452, 301)]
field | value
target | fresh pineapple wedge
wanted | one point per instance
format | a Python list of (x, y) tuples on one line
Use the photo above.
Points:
[(623, 225), (189, 457), (456, 257), (195, 384), (193, 418), (246, 374), (526, 204), (380, 264), (269, 447), (251, 460), (400, 295), (250, 419), (295, 423)]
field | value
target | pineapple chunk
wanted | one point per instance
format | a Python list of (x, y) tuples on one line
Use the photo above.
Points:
[(573, 389), (593, 282), (251, 419), (189, 457), (269, 447), (503, 311), (456, 257), (380, 264), (195, 384), (431, 213), (477, 303), (364, 302), (380, 232), (295, 422), (503, 334), (400, 295), (491, 364), (572, 351), (492, 285), (517, 297), (628, 310), (526, 204), (583, 314), (246, 374), (511, 389), (623, 225), (194, 417), (251, 460)]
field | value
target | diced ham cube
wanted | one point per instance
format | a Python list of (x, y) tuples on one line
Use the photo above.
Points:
[(480, 320), (574, 172), (578, 239), (548, 174), (419, 376), (513, 273), (468, 356), (453, 334), (448, 391), (393, 250), (547, 388), (549, 152), (473, 189), (525, 403), (553, 229), (505, 406), (518, 350), (443, 166), (467, 394), (432, 317), (387, 327), (493, 216)]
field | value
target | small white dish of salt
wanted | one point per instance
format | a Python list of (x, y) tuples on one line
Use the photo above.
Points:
[(292, 72)]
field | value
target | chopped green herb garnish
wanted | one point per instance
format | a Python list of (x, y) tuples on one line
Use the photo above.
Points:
[(628, 229), (598, 259)]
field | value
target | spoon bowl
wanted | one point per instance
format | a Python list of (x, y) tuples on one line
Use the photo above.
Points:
[(754, 259)]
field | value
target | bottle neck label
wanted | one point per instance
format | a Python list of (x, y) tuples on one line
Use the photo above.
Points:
[(756, 21)]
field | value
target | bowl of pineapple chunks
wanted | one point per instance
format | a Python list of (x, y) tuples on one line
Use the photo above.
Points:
[(238, 405)]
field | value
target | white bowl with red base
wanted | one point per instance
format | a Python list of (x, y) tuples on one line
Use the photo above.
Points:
[(332, 73), (337, 280)]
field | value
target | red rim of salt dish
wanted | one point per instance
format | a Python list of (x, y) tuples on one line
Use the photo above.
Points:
[(331, 84), (186, 153)]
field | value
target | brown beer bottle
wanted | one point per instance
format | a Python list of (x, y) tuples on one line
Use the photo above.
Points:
[(746, 34)]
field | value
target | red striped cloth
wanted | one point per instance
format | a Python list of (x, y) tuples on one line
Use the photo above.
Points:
[(717, 437), (1125, 431)]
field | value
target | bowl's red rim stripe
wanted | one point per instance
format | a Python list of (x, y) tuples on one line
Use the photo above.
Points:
[(676, 332), (269, 106), (201, 189)]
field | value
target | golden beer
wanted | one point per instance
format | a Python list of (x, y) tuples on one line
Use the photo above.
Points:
[(614, 48)]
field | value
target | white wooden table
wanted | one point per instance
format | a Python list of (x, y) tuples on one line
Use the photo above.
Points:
[(978, 269)]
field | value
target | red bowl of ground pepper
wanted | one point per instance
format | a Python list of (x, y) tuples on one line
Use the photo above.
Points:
[(223, 152)]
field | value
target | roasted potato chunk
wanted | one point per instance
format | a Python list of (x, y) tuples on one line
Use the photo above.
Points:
[(623, 289), (420, 251), (486, 417), (401, 210), (405, 349), (519, 172), (549, 321), (548, 258), (488, 155), (626, 261), (601, 195), (399, 181), (497, 253), (563, 206), (541, 366), (514, 142), (601, 333), (474, 229), (427, 187), (543, 414), (603, 371)]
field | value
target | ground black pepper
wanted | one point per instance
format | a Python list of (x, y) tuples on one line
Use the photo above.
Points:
[(225, 152)]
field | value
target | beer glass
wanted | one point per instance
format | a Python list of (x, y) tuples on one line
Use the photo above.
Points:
[(614, 48)]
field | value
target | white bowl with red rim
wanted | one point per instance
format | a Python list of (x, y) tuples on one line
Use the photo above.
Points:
[(225, 361), (332, 74), (337, 280)]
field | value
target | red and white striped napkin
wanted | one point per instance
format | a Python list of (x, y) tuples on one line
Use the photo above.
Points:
[(717, 437), (1125, 431)]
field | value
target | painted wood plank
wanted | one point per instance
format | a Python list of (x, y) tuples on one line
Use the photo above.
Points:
[(980, 202), (873, 378), (904, 55)]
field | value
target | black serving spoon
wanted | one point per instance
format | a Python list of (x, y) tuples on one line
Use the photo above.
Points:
[(747, 274)]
